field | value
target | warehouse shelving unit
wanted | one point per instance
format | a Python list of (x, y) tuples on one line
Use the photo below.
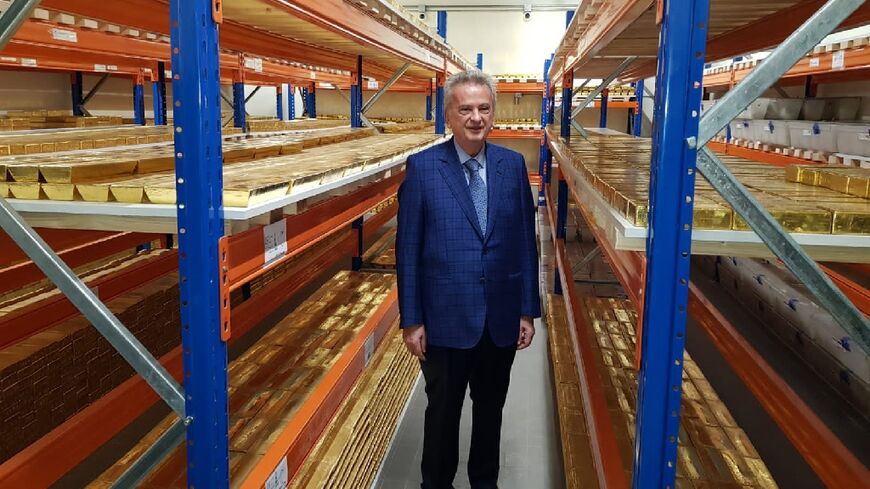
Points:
[(220, 249), (624, 37)]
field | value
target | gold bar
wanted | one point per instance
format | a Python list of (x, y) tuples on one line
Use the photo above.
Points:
[(796, 220)]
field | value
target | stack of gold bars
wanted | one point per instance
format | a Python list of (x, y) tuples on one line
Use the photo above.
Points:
[(844, 179), (56, 119), (617, 166), (49, 142), (350, 452), (712, 450), (269, 125), (269, 382), (412, 126), (257, 168)]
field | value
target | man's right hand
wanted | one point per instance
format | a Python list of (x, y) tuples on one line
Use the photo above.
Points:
[(415, 340)]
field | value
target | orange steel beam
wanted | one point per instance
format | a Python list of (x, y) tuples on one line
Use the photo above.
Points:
[(80, 436), (835, 465), (46, 34), (823, 451), (246, 253), (304, 429), (57, 239), (373, 224), (41, 315), (855, 292), (25, 273), (763, 33), (517, 133), (854, 59), (536, 88), (605, 451), (768, 157), (346, 20)]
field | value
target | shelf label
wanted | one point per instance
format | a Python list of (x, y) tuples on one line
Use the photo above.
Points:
[(112, 67), (372, 84), (8, 59), (28, 62), (313, 75), (64, 35), (100, 68), (325, 85), (274, 241), (814, 62), (279, 478), (255, 64), (369, 348), (838, 60)]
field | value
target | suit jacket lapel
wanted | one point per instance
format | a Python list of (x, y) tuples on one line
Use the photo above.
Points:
[(452, 172), (494, 174)]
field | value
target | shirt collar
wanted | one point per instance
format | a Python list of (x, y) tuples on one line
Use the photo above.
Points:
[(463, 156)]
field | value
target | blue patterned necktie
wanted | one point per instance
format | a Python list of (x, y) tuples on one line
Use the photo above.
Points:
[(477, 187)]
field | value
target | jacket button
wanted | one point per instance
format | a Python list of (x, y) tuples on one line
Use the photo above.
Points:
[(482, 279)]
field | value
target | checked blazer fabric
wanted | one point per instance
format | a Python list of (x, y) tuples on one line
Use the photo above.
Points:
[(455, 276)]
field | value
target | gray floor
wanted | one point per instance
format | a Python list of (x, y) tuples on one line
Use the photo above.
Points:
[(530, 451)]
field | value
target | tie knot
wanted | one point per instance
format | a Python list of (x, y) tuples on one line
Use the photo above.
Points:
[(472, 165)]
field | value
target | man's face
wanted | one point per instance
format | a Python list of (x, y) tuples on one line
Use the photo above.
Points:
[(469, 115)]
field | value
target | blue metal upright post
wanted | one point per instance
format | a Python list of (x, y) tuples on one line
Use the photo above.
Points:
[(161, 80), (561, 225), (199, 182), (356, 260), (239, 104), (602, 120), (304, 102), (279, 101), (442, 24), (545, 147), (156, 101), (668, 248), (567, 88), (638, 116), (139, 100), (356, 96), (439, 104), (77, 93), (312, 101), (291, 102), (480, 61), (569, 15), (429, 102)]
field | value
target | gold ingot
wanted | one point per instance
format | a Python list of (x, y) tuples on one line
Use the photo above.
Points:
[(155, 164), (94, 192), (160, 194), (851, 218), (859, 187), (24, 172), (793, 173), (5, 150), (712, 217), (834, 181), (86, 171), (796, 220), (128, 193), (810, 176), (4, 189), (637, 213), (25, 190), (59, 191)]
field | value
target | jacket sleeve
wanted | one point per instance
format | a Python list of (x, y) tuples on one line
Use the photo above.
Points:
[(409, 245), (531, 299)]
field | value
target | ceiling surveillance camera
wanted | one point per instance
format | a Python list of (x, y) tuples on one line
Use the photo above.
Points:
[(527, 12)]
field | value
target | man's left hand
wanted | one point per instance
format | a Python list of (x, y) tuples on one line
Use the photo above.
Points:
[(527, 332)]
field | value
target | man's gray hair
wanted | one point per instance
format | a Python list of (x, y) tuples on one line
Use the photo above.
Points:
[(474, 77)]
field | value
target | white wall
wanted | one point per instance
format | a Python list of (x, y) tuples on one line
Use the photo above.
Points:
[(509, 44)]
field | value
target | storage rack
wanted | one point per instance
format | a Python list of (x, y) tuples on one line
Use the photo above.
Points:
[(610, 39), (331, 40)]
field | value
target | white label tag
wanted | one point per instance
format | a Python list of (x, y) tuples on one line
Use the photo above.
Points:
[(838, 60), (324, 85), (279, 477), (814, 62), (100, 68), (807, 132), (112, 67), (255, 64), (369, 348), (64, 35), (28, 62), (372, 84), (8, 59), (313, 75), (274, 241)]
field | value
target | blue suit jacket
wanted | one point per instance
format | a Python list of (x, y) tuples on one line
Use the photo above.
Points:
[(454, 277)]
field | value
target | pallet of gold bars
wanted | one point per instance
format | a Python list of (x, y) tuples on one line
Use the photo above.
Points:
[(270, 381), (611, 175)]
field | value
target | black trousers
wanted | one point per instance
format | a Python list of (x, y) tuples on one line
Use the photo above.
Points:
[(448, 372)]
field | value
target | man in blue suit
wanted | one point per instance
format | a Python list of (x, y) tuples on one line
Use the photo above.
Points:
[(467, 262)]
